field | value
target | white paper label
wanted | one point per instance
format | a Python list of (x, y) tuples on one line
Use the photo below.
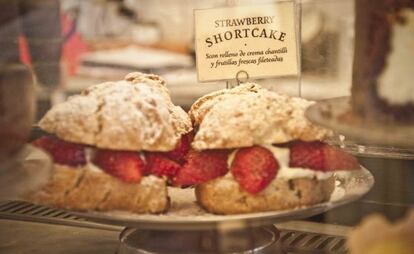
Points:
[(259, 39)]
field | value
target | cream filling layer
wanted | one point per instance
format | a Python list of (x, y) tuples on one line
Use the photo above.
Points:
[(89, 152), (286, 172)]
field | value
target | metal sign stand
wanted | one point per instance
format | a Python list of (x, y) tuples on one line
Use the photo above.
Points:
[(239, 79)]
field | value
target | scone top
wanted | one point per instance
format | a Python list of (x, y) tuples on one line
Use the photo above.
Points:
[(133, 114), (262, 153), (249, 114)]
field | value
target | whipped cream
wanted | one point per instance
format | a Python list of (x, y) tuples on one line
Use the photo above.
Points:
[(89, 153), (92, 167), (395, 83), (285, 172)]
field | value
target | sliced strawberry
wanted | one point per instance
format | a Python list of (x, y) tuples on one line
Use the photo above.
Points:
[(337, 159), (320, 156), (307, 155), (254, 168), (158, 164), (127, 166), (202, 166), (62, 152), (178, 154)]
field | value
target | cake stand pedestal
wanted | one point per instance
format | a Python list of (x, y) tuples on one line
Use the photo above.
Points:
[(243, 240)]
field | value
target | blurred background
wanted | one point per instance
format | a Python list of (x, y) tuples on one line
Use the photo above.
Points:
[(72, 44)]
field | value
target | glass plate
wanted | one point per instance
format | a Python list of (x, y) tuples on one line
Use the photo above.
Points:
[(336, 114), (184, 214)]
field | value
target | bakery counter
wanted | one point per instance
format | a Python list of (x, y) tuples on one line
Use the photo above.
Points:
[(36, 229), (33, 237), (27, 228)]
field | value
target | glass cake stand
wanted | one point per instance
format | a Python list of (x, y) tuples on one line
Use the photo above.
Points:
[(359, 137), (187, 228)]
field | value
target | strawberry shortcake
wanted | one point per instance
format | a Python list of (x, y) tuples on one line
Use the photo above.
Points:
[(254, 151), (115, 147)]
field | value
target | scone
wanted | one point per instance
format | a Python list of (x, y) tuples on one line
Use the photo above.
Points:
[(376, 235), (111, 146), (255, 151)]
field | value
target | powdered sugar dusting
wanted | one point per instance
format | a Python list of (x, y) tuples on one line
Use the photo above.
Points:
[(132, 114), (252, 115)]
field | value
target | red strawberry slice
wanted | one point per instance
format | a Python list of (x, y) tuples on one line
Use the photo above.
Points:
[(337, 159), (202, 166), (254, 168), (320, 156), (307, 155), (62, 152), (158, 164), (178, 154), (126, 166)]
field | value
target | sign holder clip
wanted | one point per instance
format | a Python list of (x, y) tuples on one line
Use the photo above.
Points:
[(239, 79)]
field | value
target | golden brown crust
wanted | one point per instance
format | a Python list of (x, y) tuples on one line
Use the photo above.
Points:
[(62, 180), (150, 196), (91, 189), (203, 105), (249, 115), (225, 196), (133, 114), (85, 189)]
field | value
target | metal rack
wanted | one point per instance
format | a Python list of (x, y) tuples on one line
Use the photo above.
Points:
[(297, 237)]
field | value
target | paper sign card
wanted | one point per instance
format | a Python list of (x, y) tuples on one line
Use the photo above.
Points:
[(259, 40)]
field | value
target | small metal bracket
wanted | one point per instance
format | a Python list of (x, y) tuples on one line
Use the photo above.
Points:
[(239, 77)]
